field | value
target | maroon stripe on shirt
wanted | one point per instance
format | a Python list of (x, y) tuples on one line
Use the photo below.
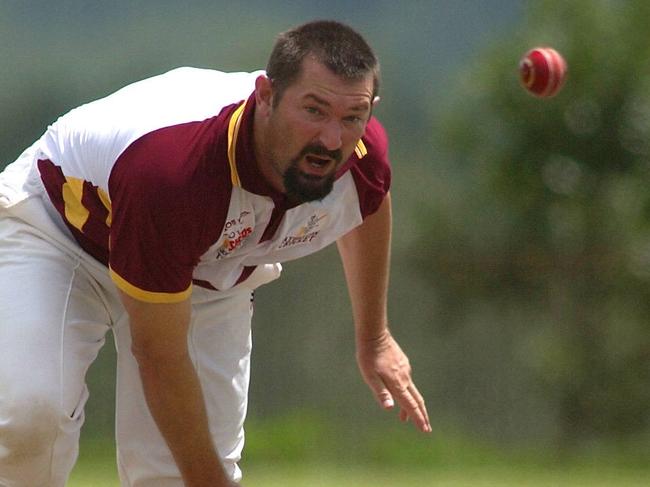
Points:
[(93, 237), (53, 180)]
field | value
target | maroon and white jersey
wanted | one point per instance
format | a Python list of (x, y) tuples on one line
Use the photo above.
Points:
[(159, 182)]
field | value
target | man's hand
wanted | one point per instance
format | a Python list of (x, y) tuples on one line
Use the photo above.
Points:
[(365, 253), (386, 369)]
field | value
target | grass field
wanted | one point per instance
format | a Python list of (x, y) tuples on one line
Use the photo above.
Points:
[(297, 453), (98, 470), (332, 476)]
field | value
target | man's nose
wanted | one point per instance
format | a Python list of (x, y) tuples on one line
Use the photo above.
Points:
[(331, 135)]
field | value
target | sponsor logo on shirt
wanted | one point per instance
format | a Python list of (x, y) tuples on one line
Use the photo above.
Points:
[(306, 234), (235, 231)]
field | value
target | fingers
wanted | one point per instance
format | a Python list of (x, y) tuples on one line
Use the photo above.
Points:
[(412, 407), (422, 416), (387, 371), (387, 402), (383, 396), (421, 407), (408, 398), (386, 399)]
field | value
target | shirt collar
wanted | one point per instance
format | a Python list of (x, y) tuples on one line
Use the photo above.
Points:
[(244, 168)]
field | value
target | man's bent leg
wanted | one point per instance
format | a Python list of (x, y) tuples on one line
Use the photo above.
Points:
[(220, 344), (50, 333)]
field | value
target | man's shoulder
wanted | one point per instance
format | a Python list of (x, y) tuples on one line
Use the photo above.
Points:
[(106, 127), (375, 139), (180, 95), (193, 81)]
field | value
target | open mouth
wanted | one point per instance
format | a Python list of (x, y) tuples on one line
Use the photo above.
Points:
[(317, 161), (316, 166)]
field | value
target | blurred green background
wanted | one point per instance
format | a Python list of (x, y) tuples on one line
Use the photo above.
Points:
[(521, 266)]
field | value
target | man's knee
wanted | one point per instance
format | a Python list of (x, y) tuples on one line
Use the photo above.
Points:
[(28, 428)]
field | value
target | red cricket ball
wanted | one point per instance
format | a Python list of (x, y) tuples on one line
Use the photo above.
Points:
[(542, 71)]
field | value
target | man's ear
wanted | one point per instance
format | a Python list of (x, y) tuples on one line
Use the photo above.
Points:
[(263, 94)]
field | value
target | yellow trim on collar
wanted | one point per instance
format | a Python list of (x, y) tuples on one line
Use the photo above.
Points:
[(148, 296), (233, 131)]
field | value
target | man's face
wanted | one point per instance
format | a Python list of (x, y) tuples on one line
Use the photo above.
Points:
[(314, 128)]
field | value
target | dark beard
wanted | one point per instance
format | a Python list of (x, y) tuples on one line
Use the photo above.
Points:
[(302, 187)]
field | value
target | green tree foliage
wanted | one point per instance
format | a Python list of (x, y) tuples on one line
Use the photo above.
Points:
[(543, 228)]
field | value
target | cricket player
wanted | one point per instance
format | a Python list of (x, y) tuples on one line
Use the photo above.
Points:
[(155, 212)]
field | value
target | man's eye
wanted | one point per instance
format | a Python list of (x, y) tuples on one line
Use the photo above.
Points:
[(353, 119), (313, 110)]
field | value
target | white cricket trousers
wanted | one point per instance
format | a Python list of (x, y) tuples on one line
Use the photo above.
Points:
[(56, 305)]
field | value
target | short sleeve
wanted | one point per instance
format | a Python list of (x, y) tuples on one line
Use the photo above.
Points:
[(160, 195), (372, 172)]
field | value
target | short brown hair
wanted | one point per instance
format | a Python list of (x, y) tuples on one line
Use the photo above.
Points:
[(335, 45)]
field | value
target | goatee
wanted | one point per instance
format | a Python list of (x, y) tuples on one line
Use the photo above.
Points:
[(303, 187)]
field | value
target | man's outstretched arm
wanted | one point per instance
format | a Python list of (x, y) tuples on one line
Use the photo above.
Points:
[(365, 253), (172, 389)]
